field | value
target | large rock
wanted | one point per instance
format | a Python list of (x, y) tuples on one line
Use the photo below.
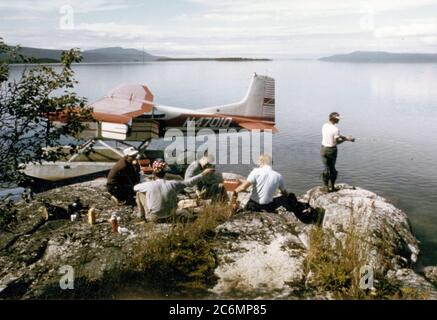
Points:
[(34, 251), (379, 223), (431, 274), (414, 286), (260, 255)]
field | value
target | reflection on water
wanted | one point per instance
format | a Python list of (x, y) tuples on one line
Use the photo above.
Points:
[(390, 108), (411, 89)]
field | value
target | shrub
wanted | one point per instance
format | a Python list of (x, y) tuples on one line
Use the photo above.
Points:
[(182, 257), (335, 266)]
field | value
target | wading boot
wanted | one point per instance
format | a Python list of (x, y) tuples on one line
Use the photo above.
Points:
[(325, 179), (333, 188)]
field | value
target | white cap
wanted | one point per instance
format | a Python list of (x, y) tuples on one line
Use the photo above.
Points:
[(334, 115), (131, 152)]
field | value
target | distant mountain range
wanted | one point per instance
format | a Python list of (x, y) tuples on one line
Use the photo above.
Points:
[(117, 54), (381, 57), (111, 55)]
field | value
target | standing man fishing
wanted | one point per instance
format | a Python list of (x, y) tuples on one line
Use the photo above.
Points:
[(331, 138)]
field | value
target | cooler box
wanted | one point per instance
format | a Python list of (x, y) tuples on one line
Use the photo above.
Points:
[(145, 165), (231, 185)]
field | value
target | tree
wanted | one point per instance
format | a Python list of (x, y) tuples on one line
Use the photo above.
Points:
[(29, 105)]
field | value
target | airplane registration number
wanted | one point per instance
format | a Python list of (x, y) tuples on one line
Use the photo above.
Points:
[(206, 122)]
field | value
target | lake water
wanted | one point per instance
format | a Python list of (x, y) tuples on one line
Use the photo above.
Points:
[(390, 108)]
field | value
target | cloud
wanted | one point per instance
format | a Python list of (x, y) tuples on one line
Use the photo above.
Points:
[(430, 40), (225, 27), (407, 30), (309, 8), (22, 16), (117, 30), (55, 5)]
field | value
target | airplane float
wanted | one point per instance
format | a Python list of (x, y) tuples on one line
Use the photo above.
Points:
[(128, 113)]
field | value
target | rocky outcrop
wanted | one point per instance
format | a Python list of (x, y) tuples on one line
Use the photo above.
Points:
[(431, 274), (378, 222), (258, 255), (411, 282), (32, 252), (261, 255), (391, 246)]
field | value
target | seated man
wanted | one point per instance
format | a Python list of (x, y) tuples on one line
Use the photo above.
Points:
[(265, 182), (157, 200), (210, 187), (123, 176)]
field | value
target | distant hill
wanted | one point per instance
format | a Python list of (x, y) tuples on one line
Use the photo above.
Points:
[(39, 55), (117, 54), (112, 54), (381, 56)]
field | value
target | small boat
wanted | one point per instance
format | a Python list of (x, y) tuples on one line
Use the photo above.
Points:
[(89, 160), (57, 171)]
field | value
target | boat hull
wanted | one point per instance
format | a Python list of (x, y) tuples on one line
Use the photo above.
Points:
[(57, 171)]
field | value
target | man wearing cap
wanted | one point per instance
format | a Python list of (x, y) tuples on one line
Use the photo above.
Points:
[(123, 176), (211, 186), (157, 200), (331, 138)]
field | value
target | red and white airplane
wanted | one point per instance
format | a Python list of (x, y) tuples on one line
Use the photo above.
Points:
[(128, 113)]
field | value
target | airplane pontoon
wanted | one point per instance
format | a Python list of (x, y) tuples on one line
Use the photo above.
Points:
[(128, 114)]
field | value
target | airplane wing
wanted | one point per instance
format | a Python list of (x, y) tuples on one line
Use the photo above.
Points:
[(123, 103)]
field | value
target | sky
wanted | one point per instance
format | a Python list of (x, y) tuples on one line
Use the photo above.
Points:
[(206, 28)]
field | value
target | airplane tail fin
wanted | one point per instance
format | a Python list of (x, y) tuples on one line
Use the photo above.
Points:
[(259, 102)]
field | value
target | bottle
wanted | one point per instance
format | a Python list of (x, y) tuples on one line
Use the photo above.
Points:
[(114, 223), (92, 215)]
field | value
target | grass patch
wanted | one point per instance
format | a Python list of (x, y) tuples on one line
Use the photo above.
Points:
[(336, 267), (183, 258)]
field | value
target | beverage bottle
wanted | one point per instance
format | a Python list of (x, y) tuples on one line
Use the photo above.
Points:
[(114, 223), (92, 215)]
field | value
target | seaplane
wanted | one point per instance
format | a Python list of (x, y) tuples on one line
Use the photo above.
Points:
[(128, 114)]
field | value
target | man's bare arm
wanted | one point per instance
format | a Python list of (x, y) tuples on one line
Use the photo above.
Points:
[(283, 191), (341, 139), (243, 187)]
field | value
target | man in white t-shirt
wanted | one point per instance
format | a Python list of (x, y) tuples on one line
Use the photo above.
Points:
[(331, 138), (265, 182)]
